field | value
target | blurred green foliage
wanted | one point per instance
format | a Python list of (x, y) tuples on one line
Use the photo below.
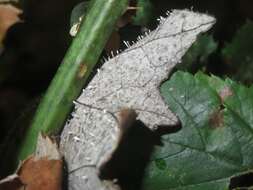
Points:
[(235, 58), (238, 54), (144, 13)]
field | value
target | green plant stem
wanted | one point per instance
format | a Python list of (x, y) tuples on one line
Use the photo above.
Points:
[(74, 71)]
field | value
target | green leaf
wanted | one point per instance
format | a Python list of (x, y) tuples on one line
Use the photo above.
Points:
[(196, 57), (239, 54), (216, 140)]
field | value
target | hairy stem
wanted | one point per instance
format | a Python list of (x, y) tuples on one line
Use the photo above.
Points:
[(74, 71)]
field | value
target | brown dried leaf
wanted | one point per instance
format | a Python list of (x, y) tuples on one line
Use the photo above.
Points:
[(42, 174), (47, 147), (9, 15), (11, 182), (42, 171)]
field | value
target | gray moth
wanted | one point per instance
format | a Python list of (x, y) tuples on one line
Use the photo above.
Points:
[(130, 79)]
